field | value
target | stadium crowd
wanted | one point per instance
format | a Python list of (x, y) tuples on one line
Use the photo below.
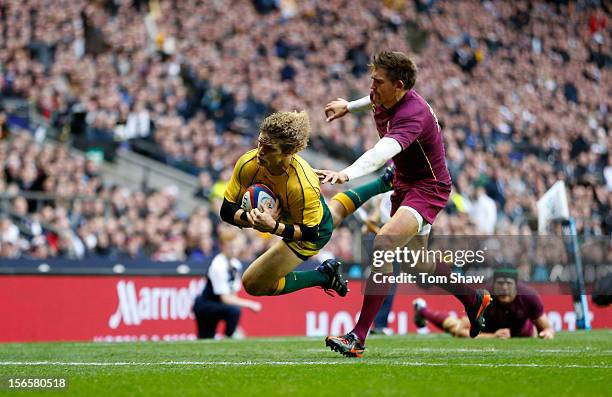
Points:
[(79, 216), (518, 86)]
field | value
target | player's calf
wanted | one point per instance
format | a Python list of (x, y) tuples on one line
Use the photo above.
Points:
[(338, 211), (345, 203)]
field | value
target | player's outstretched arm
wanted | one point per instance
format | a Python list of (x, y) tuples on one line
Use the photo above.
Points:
[(336, 109), (332, 177), (545, 330), (340, 107), (370, 161)]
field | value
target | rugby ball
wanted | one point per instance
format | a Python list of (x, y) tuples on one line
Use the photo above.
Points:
[(258, 196)]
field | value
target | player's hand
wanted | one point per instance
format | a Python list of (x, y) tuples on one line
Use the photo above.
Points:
[(274, 212), (502, 333), (336, 109), (547, 333), (332, 177), (255, 306), (261, 220)]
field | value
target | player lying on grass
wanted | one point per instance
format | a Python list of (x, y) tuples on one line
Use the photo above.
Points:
[(411, 136), (517, 311)]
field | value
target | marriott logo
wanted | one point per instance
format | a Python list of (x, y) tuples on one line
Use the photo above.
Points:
[(153, 303)]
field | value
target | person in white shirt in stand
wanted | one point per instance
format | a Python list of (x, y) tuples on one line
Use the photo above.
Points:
[(484, 212), (220, 301)]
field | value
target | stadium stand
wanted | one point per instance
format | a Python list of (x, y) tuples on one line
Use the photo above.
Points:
[(519, 87)]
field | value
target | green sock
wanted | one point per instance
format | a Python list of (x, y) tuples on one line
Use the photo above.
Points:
[(295, 281), (363, 193)]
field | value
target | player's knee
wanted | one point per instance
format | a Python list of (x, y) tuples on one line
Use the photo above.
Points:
[(251, 282), (255, 287)]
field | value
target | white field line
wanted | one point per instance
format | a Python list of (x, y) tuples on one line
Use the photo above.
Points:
[(496, 350), (276, 339), (291, 363), (491, 350), (397, 349)]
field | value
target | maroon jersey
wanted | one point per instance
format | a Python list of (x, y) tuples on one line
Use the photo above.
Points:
[(422, 180), (518, 315)]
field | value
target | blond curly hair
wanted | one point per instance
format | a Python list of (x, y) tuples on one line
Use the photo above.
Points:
[(289, 130)]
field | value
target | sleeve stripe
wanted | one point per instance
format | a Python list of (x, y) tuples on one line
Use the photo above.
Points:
[(254, 176), (305, 176), (427, 158), (317, 190), (302, 190)]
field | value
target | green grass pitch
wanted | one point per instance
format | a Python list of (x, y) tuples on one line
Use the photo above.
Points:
[(574, 364)]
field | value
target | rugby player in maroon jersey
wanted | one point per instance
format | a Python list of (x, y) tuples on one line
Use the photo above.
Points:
[(517, 311), (410, 136)]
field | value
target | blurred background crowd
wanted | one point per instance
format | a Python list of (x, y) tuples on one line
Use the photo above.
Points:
[(519, 87)]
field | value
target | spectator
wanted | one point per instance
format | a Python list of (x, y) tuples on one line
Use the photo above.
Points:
[(484, 212), (514, 103)]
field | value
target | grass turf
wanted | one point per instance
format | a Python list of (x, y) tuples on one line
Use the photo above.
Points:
[(574, 364)]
